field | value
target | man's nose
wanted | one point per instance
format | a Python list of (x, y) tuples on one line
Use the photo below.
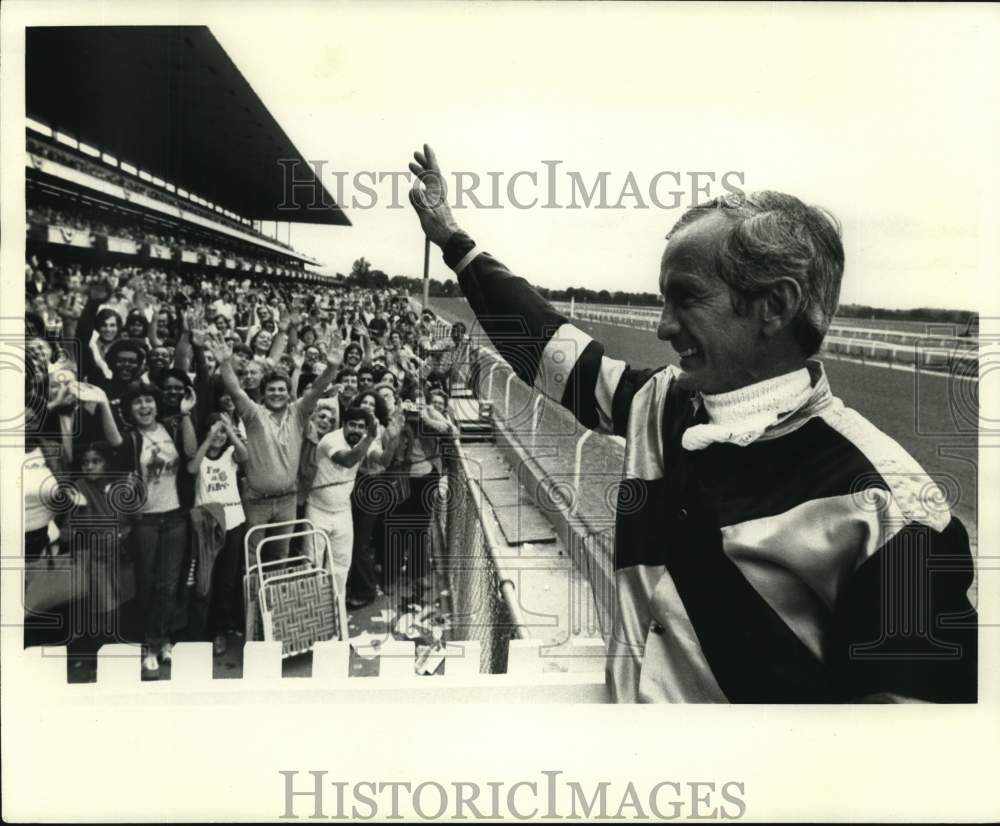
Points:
[(668, 326)]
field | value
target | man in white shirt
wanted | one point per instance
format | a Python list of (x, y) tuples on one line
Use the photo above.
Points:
[(338, 456)]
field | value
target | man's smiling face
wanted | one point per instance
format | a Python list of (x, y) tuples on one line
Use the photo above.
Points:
[(126, 366), (719, 348), (276, 396)]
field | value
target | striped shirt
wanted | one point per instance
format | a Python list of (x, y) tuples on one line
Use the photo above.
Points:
[(771, 546)]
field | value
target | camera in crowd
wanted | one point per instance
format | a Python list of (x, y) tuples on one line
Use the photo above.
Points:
[(411, 409)]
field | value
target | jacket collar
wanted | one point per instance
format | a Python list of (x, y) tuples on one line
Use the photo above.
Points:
[(765, 410)]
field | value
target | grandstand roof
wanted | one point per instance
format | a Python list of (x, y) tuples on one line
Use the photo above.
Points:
[(168, 100)]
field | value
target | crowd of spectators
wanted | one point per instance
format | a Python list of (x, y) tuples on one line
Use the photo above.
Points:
[(168, 408)]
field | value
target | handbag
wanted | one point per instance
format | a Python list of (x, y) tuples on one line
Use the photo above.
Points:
[(54, 580)]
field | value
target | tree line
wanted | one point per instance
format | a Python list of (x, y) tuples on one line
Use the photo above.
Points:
[(364, 275)]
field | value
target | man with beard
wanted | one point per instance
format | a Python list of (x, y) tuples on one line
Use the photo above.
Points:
[(275, 430), (328, 506)]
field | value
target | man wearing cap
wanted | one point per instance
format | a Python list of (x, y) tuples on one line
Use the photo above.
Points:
[(125, 358)]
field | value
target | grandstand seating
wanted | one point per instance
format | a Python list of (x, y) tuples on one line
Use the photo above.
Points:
[(105, 232), (166, 194)]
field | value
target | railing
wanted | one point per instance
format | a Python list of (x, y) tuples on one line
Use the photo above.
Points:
[(956, 362), (640, 318), (840, 324), (484, 602), (957, 356), (572, 474), (43, 672)]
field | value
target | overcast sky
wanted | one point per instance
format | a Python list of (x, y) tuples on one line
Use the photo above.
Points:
[(887, 116)]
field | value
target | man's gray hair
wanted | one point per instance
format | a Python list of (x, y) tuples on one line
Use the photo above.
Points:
[(777, 236)]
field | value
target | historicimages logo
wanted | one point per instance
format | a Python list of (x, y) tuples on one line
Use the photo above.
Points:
[(550, 796), (548, 185)]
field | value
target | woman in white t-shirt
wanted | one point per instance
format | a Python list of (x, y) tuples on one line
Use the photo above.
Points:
[(156, 451), (215, 467)]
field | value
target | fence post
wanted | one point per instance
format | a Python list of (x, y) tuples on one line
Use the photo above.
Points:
[(506, 395), (535, 416), (489, 390), (577, 467)]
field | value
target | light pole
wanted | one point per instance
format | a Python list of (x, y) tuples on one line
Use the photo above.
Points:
[(427, 269)]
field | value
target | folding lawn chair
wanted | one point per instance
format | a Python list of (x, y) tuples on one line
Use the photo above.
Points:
[(294, 600), (253, 567)]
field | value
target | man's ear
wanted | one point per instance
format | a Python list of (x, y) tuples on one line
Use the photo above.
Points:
[(780, 306)]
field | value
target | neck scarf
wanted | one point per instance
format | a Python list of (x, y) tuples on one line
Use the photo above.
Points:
[(742, 416)]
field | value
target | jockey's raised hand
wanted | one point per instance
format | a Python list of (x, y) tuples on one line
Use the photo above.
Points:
[(429, 197)]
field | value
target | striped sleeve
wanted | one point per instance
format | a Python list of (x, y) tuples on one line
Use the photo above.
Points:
[(540, 344)]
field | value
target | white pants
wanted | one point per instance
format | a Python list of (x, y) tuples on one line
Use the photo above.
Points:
[(339, 529)]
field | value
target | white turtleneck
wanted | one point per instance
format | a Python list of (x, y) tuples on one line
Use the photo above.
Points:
[(741, 416)]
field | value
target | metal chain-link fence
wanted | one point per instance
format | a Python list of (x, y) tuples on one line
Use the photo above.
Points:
[(577, 482), (577, 473), (463, 553)]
